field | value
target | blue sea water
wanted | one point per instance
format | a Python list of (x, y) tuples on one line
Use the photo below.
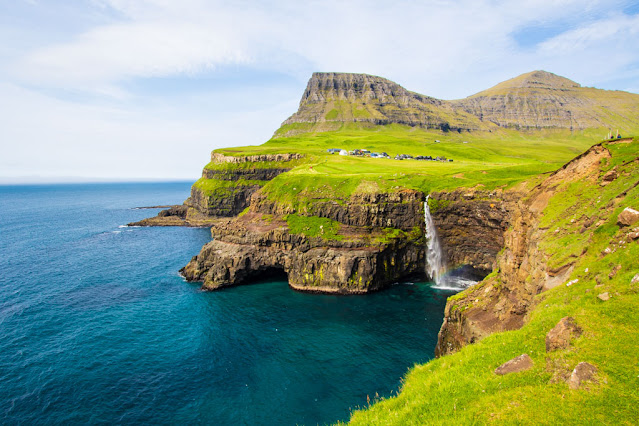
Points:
[(96, 325)]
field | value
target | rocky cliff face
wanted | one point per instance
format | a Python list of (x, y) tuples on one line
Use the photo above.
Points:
[(341, 97), (228, 182), (502, 300), (225, 189), (471, 225), (364, 258), (402, 209), (254, 245)]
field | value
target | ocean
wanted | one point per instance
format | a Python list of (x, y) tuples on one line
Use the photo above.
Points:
[(97, 326)]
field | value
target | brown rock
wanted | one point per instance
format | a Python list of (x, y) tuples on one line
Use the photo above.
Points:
[(584, 372), (559, 337), (634, 235), (614, 271), (627, 217), (604, 296), (611, 175), (515, 365)]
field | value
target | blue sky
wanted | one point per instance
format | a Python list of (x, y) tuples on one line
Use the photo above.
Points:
[(145, 89)]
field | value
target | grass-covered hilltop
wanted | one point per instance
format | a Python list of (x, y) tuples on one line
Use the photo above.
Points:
[(533, 186)]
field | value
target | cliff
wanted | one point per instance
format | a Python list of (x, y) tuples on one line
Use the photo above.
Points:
[(471, 225), (334, 98), (524, 269), (225, 188), (337, 250)]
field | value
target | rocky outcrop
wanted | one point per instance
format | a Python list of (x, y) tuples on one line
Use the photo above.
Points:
[(515, 365), (255, 244), (228, 182), (179, 215), (627, 217), (343, 97), (583, 372), (561, 335), (402, 209), (471, 225), (225, 189), (228, 202), (501, 302)]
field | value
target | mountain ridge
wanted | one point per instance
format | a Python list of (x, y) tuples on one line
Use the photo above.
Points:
[(531, 101)]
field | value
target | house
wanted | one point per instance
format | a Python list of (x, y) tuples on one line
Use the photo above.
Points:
[(333, 150)]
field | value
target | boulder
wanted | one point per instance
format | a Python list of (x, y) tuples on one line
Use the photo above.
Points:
[(561, 334), (604, 296), (627, 217), (635, 279), (515, 365), (610, 176), (583, 372)]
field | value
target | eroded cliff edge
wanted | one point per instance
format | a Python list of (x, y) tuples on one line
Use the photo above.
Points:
[(523, 269), (225, 188), (340, 249)]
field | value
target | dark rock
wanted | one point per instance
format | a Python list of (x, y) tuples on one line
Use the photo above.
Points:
[(179, 211), (471, 226), (515, 365), (584, 372), (561, 334), (614, 271), (627, 217)]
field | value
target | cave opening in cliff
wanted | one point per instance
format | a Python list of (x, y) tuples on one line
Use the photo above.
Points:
[(273, 273)]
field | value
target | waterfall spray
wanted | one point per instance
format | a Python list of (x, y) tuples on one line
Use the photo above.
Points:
[(435, 266)]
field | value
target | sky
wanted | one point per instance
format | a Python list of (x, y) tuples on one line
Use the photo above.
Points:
[(144, 89)]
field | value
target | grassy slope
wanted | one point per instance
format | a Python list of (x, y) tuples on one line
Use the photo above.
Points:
[(462, 388)]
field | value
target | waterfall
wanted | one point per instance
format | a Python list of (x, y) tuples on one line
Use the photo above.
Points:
[(435, 266)]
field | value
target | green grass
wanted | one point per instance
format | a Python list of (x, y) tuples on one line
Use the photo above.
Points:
[(488, 160), (462, 388), (220, 188), (314, 226)]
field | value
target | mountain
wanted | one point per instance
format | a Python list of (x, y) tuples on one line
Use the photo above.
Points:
[(540, 99), (532, 101), (331, 99)]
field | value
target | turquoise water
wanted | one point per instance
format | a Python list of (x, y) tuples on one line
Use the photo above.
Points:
[(97, 326)]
